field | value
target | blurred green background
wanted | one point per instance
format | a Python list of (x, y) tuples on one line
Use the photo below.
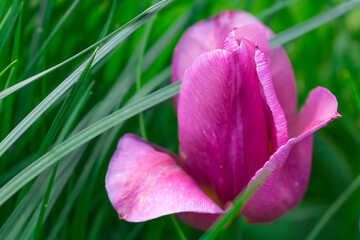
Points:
[(328, 56)]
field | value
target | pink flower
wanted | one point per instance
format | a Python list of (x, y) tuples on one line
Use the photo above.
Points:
[(237, 116)]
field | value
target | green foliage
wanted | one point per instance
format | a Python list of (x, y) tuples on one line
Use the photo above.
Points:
[(43, 46)]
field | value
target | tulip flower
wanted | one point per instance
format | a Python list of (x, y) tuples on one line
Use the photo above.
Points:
[(236, 118)]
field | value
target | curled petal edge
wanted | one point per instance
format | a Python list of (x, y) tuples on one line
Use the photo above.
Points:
[(288, 168)]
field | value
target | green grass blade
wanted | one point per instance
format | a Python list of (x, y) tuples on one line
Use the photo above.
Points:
[(14, 56), (29, 80), (313, 23), (43, 206), (58, 26), (111, 99), (20, 215), (23, 211), (354, 186), (238, 204), (170, 34), (6, 118), (27, 207), (177, 227), (81, 181), (8, 23), (95, 228), (42, 19), (277, 6), (98, 156), (2, 5), (84, 136), (7, 15), (62, 114), (11, 172), (151, 85), (143, 42), (16, 47), (75, 112), (108, 20), (80, 214), (149, 57), (7, 68), (67, 83), (135, 231), (353, 87)]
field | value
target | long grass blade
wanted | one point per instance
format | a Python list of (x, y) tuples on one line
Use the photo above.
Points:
[(42, 19), (177, 227), (62, 114), (277, 6), (15, 224), (110, 101), (108, 20), (58, 26), (98, 156), (169, 35), (7, 68), (29, 80), (69, 124), (8, 23), (20, 212), (143, 42), (313, 23), (149, 57), (95, 228), (11, 172), (67, 83), (24, 210), (354, 186), (84, 136), (6, 118), (238, 204), (16, 47), (2, 5), (20, 215), (353, 87)]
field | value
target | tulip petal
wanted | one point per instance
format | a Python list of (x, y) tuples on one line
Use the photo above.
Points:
[(209, 35), (278, 125), (284, 81), (144, 183), (222, 121), (206, 36), (202, 221), (254, 33), (290, 165)]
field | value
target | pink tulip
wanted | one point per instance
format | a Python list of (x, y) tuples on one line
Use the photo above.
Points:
[(237, 117)]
